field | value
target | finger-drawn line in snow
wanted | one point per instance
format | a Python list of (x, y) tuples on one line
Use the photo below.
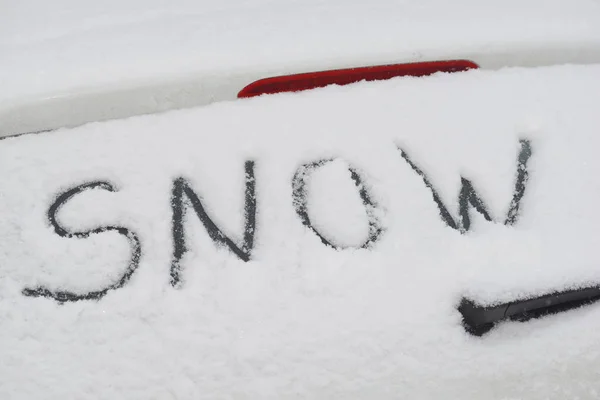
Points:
[(300, 200), (62, 296), (468, 196), (181, 189)]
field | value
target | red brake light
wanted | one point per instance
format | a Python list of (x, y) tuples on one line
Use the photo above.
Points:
[(312, 80)]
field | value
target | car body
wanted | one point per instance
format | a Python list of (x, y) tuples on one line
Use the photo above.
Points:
[(388, 239)]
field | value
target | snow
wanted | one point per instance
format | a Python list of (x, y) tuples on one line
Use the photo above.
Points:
[(68, 62), (301, 319)]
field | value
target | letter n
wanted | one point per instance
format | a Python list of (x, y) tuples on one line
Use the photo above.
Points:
[(183, 190)]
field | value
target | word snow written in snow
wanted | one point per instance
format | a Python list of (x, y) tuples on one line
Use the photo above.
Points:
[(183, 197)]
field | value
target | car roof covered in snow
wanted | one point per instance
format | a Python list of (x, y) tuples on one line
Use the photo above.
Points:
[(69, 62)]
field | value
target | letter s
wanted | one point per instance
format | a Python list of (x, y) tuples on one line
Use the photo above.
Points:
[(63, 296)]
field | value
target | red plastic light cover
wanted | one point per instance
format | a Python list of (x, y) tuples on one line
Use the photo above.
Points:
[(312, 80)]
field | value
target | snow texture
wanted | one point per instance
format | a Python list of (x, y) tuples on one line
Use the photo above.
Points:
[(302, 319)]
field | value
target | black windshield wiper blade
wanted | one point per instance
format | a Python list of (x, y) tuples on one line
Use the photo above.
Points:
[(479, 319)]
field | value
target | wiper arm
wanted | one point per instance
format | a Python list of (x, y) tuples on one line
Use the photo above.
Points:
[(479, 319)]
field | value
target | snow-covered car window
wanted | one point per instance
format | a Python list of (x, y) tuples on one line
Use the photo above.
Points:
[(299, 199), (317, 243)]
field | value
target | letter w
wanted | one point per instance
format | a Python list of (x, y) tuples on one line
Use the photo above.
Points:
[(468, 197)]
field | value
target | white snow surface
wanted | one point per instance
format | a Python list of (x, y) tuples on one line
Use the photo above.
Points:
[(66, 62), (300, 319)]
